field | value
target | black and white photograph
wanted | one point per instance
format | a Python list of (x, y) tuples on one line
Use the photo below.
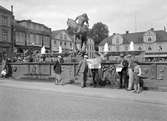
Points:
[(83, 60)]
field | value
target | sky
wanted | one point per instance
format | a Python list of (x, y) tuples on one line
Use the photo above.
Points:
[(118, 15)]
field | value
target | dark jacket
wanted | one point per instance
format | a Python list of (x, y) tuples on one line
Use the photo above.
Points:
[(57, 67)]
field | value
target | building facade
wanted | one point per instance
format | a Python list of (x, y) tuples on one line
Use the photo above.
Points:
[(63, 39), (6, 24), (153, 42), (31, 35), (66, 41)]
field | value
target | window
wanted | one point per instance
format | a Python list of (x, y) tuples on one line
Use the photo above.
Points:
[(61, 36), (4, 35), (149, 48), (126, 47), (60, 43), (117, 40), (65, 37), (4, 20), (55, 42), (149, 39), (117, 48), (139, 48), (160, 48), (64, 43)]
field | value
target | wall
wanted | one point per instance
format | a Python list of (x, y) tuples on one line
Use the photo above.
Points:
[(155, 73)]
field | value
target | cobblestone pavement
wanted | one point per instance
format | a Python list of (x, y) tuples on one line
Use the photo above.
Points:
[(23, 104)]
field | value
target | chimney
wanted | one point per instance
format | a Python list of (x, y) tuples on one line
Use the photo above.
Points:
[(164, 28), (152, 29), (12, 8), (127, 32)]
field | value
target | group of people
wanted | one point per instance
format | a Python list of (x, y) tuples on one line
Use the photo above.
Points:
[(85, 65), (131, 74)]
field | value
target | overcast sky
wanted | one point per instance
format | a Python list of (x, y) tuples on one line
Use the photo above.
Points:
[(118, 15)]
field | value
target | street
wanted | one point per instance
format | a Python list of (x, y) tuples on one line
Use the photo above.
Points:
[(39, 105)]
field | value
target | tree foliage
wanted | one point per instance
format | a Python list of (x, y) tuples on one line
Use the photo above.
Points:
[(99, 32)]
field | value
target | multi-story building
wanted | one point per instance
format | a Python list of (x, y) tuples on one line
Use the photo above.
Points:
[(63, 39), (31, 35), (6, 23), (153, 42)]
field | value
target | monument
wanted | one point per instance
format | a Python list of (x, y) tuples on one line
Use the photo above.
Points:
[(79, 28)]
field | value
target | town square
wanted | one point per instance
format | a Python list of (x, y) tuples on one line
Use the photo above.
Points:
[(83, 60)]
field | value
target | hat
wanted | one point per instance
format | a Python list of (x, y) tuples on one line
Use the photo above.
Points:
[(59, 56), (85, 56)]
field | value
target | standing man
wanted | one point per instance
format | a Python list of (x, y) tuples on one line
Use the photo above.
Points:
[(83, 70), (130, 72), (124, 72), (57, 69)]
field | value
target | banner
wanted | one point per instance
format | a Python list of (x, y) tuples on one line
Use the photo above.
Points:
[(94, 63)]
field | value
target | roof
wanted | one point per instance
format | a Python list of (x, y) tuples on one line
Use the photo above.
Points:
[(56, 32), (108, 40), (6, 10), (137, 37), (30, 21)]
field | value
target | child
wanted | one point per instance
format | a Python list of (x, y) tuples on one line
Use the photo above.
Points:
[(137, 74)]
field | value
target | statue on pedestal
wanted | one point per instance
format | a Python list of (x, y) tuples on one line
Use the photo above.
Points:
[(80, 29)]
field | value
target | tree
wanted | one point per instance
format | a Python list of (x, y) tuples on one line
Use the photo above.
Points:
[(99, 32)]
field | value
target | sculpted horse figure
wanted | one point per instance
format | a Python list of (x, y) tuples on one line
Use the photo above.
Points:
[(79, 28)]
